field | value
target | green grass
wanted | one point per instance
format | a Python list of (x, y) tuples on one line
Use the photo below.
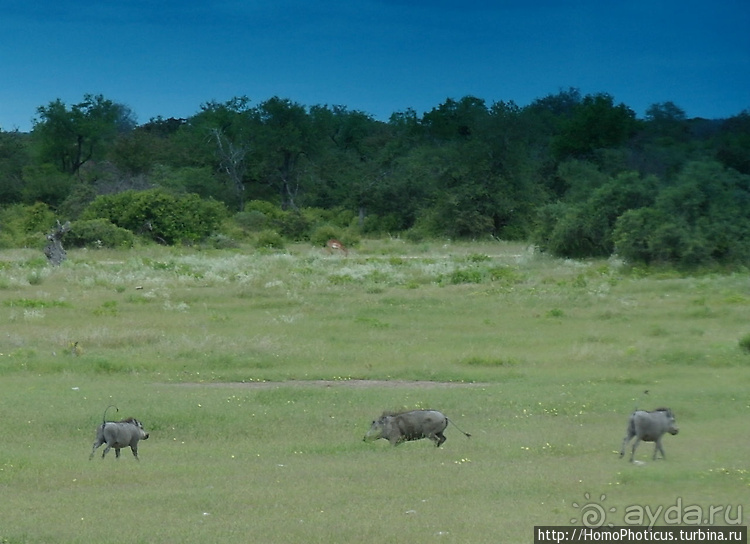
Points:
[(217, 353)]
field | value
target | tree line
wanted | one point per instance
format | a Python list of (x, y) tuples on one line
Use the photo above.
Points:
[(578, 176)]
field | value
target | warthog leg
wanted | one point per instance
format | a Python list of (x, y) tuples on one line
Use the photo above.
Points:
[(635, 445), (657, 448), (628, 437), (96, 445)]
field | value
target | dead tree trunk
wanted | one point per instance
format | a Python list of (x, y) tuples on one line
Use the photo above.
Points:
[(54, 249), (232, 161)]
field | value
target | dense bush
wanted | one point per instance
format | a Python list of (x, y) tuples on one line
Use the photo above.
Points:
[(585, 228), (703, 218), (259, 216), (164, 217), (251, 221), (95, 233), (25, 226), (268, 209), (292, 225), (269, 239), (323, 233)]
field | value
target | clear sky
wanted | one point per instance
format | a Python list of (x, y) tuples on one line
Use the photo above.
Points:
[(167, 57)]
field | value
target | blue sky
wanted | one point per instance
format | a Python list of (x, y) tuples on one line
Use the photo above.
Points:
[(167, 57)]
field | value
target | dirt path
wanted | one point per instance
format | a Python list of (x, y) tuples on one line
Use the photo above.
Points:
[(335, 383)]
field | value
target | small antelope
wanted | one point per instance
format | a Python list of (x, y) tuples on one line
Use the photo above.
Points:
[(335, 244)]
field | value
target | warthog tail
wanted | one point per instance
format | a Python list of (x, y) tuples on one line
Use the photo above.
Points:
[(104, 417), (467, 435)]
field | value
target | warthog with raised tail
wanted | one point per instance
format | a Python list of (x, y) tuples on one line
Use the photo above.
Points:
[(649, 427), (119, 434), (404, 426)]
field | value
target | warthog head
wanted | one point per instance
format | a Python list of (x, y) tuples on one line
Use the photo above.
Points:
[(672, 428), (144, 433), (376, 429)]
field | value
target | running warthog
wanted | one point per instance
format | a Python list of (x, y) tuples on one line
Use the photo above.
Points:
[(119, 434), (649, 427), (404, 426)]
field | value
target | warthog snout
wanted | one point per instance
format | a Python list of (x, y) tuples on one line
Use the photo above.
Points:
[(375, 431)]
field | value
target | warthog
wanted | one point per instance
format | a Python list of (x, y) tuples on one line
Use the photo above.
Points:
[(404, 426), (649, 427), (119, 434)]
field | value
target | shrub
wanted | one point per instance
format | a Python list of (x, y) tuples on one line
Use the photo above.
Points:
[(745, 343), (322, 234), (221, 241), (269, 239), (466, 275), (98, 233), (166, 218), (381, 224), (268, 209), (486, 362), (187, 179), (252, 221), (293, 225), (477, 258), (702, 218), (504, 274), (38, 218), (25, 226), (34, 277)]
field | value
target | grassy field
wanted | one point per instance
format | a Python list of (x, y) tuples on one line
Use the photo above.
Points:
[(257, 375)]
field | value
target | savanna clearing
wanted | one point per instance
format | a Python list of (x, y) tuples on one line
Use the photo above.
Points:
[(258, 373)]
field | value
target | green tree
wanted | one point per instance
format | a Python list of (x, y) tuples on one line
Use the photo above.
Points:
[(137, 152), (285, 147), (519, 160), (580, 178), (13, 158), (228, 128), (70, 137), (667, 121), (465, 202), (455, 119), (202, 181), (348, 159), (733, 142), (596, 123), (44, 183)]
